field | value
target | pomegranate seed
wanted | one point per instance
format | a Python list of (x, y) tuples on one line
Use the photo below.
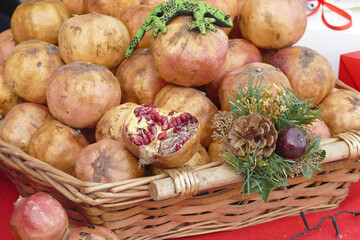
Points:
[(165, 127), (152, 130), (171, 113), (177, 130), (171, 124), (136, 142), (140, 139), (139, 117), (162, 136), (177, 147), (178, 120), (149, 110), (183, 117), (145, 137), (147, 117), (163, 120), (150, 136)]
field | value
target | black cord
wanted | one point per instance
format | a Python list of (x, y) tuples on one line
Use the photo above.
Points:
[(307, 228)]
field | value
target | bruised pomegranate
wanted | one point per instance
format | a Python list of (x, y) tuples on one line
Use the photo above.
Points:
[(22, 121), (37, 61), (80, 93), (57, 145), (272, 24), (107, 161), (161, 137), (92, 233), (112, 123), (38, 19), (341, 111), (305, 67), (39, 216), (140, 82)]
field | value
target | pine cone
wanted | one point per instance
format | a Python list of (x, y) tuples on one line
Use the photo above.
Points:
[(251, 129)]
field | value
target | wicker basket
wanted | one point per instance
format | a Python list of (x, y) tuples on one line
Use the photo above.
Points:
[(129, 208)]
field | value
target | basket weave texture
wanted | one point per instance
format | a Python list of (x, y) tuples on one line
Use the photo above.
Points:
[(128, 209)]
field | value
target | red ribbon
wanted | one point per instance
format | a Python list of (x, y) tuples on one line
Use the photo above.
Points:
[(334, 9)]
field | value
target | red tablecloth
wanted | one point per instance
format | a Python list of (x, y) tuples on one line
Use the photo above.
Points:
[(284, 228)]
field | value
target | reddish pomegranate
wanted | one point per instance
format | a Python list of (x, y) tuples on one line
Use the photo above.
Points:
[(92, 233), (112, 123), (192, 101), (7, 44), (107, 161), (241, 52), (39, 216), (139, 80), (319, 128), (188, 58), (161, 137)]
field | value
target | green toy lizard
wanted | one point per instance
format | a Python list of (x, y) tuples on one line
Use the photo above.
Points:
[(158, 18)]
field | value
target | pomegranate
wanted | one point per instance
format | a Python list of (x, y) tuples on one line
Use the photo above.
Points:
[(241, 52), (255, 72), (341, 111), (8, 97), (80, 93), (108, 7), (7, 44), (305, 67), (192, 101), (95, 38), (188, 58), (161, 137), (272, 24), (140, 82), (37, 61), (133, 18), (74, 6), (39, 19), (227, 6), (92, 233), (39, 216), (22, 121), (201, 157), (215, 149), (107, 161), (235, 31), (319, 128), (112, 123), (57, 145)]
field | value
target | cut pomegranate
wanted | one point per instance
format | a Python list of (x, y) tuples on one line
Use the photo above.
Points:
[(161, 137)]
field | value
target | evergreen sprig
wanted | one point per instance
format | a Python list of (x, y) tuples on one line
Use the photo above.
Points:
[(282, 107)]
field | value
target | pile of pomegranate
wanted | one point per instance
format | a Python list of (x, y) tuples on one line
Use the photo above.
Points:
[(70, 98)]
